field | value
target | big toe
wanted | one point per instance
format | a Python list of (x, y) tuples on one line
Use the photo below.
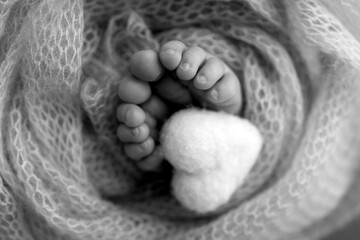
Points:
[(146, 66), (171, 54)]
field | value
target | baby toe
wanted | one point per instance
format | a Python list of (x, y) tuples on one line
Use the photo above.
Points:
[(156, 108), (132, 90), (152, 123), (146, 66), (133, 135), (137, 151), (171, 89), (153, 162), (225, 95), (171, 53), (209, 74), (190, 63), (131, 115), (150, 120)]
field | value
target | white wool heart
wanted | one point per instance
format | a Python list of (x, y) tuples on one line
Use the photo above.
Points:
[(212, 153)]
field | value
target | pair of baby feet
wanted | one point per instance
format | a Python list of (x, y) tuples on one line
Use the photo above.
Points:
[(179, 74)]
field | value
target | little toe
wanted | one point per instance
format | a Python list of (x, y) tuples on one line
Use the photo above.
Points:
[(171, 53), (153, 162), (137, 151), (146, 66), (191, 61), (225, 95), (133, 135), (132, 90), (131, 115), (209, 74)]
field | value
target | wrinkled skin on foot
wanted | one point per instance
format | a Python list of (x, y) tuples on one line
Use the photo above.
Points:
[(64, 174)]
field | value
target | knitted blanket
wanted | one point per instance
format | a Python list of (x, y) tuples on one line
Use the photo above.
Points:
[(63, 173)]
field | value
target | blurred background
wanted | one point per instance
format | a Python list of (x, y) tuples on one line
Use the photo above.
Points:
[(348, 12), (349, 232)]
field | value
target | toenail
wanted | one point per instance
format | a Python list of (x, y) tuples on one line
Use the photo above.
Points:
[(201, 79), (185, 66), (169, 51)]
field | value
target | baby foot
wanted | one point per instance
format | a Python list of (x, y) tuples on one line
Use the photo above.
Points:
[(141, 112), (207, 77)]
